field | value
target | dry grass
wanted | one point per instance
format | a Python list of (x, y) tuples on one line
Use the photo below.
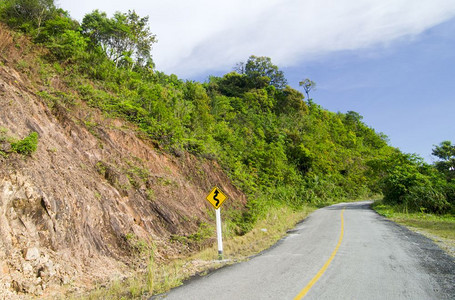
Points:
[(19, 54), (266, 232), (159, 278), (6, 40), (13, 45), (439, 228)]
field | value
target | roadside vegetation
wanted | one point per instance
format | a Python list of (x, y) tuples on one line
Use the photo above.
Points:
[(282, 149), (277, 146), (421, 196), (159, 278), (408, 182), (439, 228)]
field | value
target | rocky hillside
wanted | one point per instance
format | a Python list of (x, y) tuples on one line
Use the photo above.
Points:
[(74, 211)]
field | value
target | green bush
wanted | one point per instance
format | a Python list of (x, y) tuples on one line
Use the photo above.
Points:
[(449, 190), (70, 44), (426, 198), (26, 146), (399, 181)]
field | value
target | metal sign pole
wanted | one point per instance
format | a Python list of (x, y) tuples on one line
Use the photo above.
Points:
[(218, 234)]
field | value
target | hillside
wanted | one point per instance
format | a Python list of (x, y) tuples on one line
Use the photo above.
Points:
[(74, 212), (102, 159)]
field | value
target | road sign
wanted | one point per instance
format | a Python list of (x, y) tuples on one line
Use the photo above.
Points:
[(216, 197)]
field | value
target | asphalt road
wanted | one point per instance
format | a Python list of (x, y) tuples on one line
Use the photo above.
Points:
[(345, 251)]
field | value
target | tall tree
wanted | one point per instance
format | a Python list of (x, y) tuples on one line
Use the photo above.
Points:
[(308, 85), (446, 153), (258, 67), (29, 15), (125, 38)]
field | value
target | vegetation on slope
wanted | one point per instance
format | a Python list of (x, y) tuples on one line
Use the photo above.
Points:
[(277, 147), (407, 181), (26, 146), (421, 196)]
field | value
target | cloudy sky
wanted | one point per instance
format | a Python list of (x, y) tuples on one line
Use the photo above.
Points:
[(393, 61)]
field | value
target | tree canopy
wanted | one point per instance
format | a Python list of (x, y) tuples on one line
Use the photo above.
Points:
[(125, 38), (276, 147), (446, 154), (260, 69), (307, 85), (28, 15)]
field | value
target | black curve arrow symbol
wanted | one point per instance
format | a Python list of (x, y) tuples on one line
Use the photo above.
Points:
[(216, 192)]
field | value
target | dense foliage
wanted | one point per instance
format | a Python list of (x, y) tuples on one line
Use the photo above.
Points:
[(408, 181), (277, 147), (445, 152)]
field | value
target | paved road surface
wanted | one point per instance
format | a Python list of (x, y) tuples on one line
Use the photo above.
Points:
[(365, 257)]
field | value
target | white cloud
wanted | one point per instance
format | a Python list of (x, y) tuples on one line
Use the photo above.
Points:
[(205, 35)]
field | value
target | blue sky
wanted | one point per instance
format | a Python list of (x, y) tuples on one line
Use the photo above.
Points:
[(392, 61), (406, 90)]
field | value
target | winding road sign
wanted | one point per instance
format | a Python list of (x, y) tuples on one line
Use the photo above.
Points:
[(216, 197)]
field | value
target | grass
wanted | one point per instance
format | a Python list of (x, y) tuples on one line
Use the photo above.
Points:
[(439, 228), (160, 277)]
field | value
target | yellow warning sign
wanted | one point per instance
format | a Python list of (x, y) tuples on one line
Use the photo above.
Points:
[(216, 197)]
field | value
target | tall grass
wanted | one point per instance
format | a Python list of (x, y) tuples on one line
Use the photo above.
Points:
[(161, 276), (440, 228)]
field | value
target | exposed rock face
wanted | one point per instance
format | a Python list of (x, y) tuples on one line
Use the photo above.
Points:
[(66, 211)]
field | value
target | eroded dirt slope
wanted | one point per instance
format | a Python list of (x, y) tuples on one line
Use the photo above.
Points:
[(70, 213)]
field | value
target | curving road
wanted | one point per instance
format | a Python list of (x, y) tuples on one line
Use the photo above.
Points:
[(345, 251)]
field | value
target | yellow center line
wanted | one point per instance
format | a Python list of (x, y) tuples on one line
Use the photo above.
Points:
[(325, 266)]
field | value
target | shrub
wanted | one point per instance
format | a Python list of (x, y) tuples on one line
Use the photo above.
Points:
[(426, 198), (449, 191), (26, 146), (70, 44), (399, 181)]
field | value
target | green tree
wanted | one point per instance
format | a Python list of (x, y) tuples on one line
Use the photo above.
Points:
[(57, 25), (353, 120), (28, 15), (69, 45), (62, 36), (446, 154), (408, 181), (289, 101), (125, 38), (232, 84), (308, 85), (258, 67)]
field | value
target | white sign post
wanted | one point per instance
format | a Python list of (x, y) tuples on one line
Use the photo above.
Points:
[(219, 236)]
